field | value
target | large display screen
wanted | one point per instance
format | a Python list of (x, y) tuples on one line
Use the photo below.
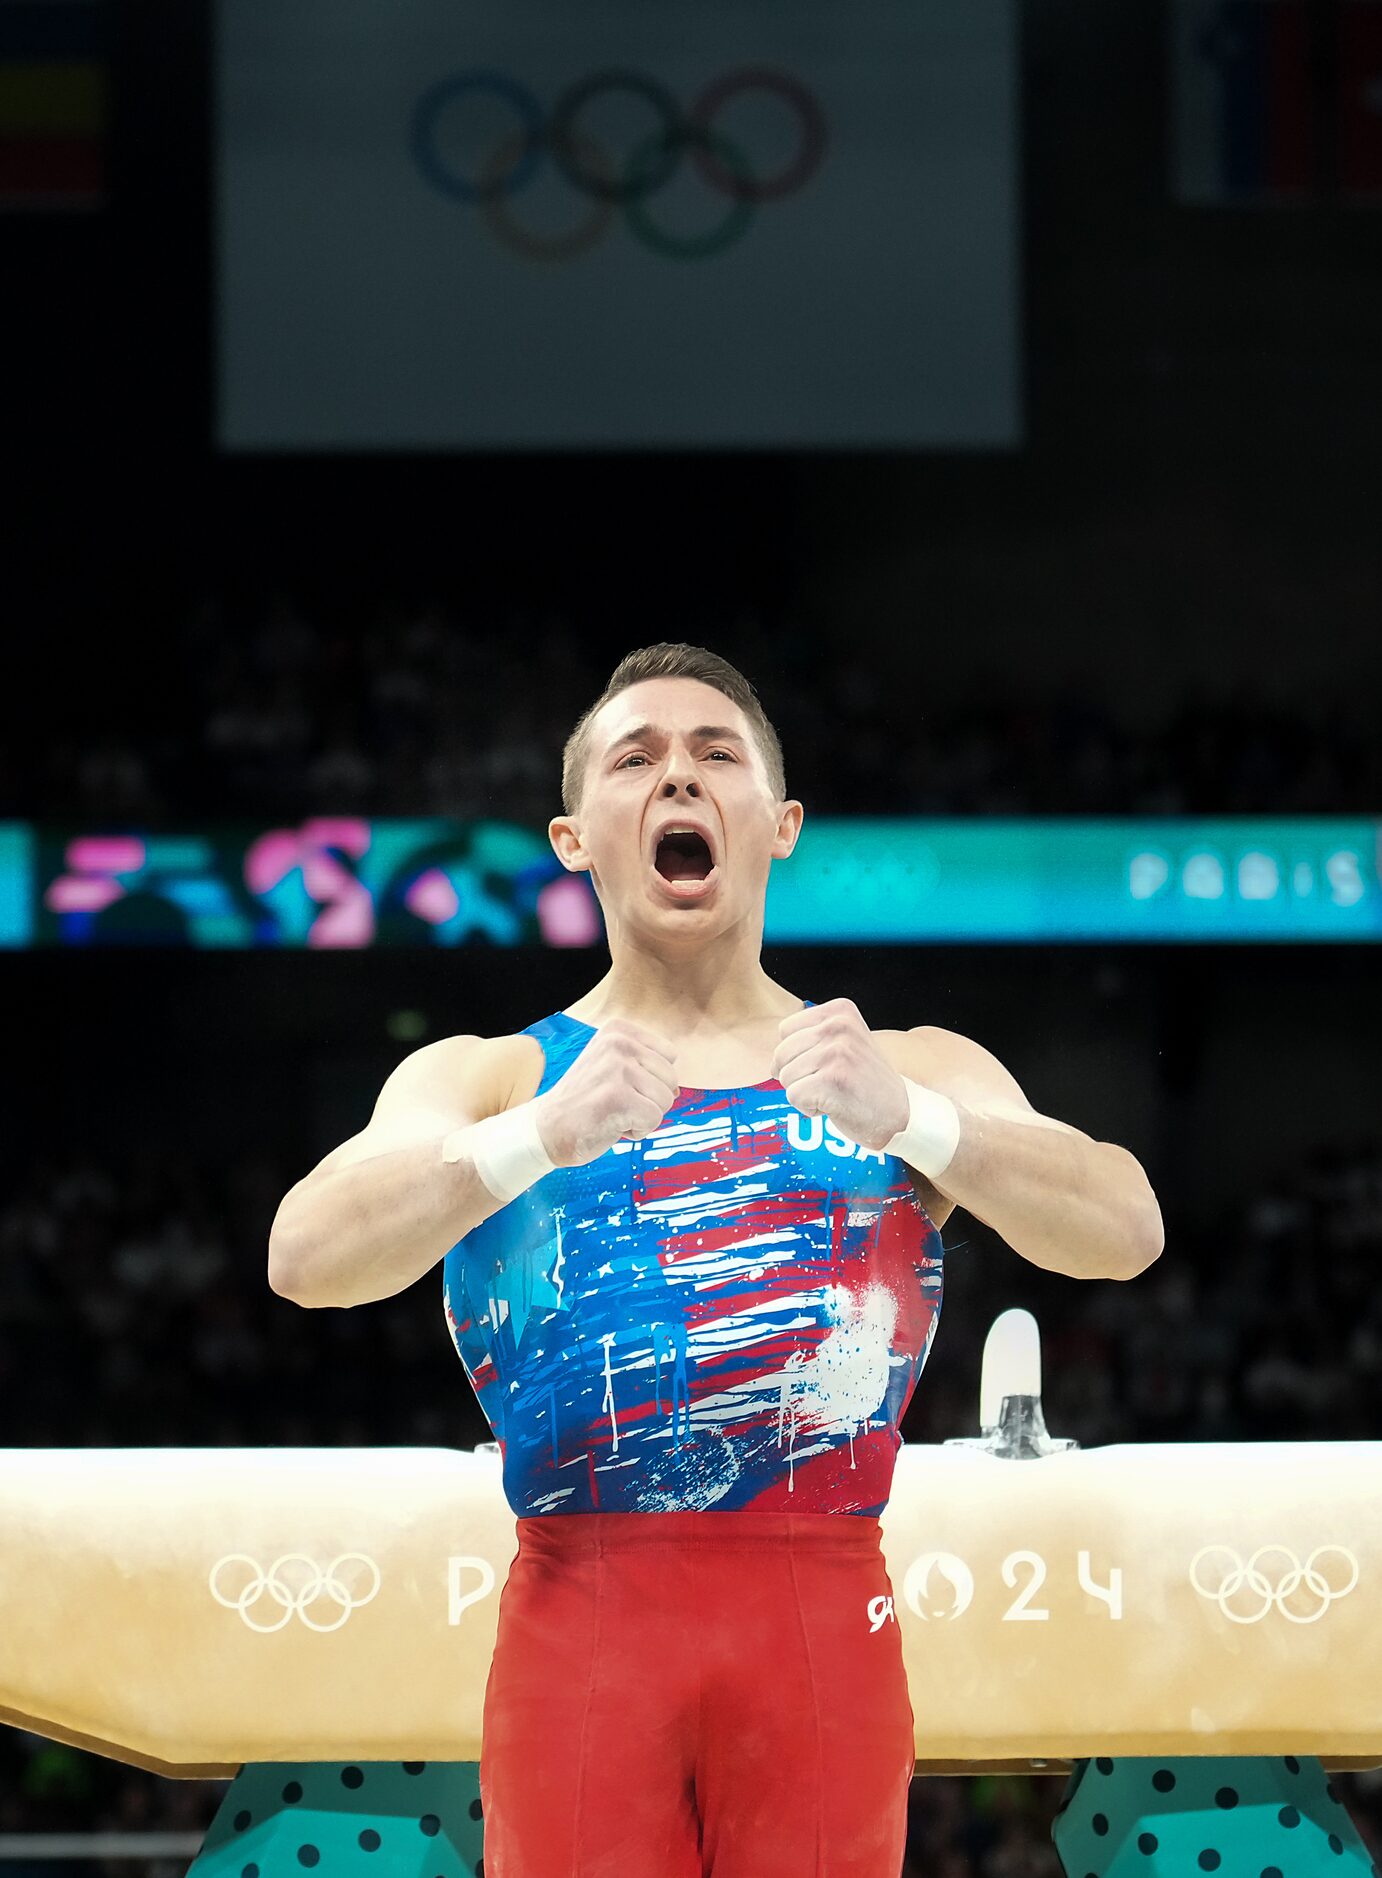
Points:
[(343, 882), (451, 224)]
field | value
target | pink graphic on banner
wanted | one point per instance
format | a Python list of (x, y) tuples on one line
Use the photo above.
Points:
[(347, 918), (432, 897), (96, 859), (567, 913)]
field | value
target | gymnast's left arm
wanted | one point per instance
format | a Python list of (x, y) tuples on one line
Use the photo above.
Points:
[(1060, 1199)]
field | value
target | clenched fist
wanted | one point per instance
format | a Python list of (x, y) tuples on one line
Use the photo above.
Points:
[(619, 1088), (828, 1064)]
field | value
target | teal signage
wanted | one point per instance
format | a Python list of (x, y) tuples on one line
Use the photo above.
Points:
[(345, 882)]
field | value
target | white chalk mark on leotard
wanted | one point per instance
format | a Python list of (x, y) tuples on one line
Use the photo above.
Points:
[(558, 1262), (608, 1402), (671, 1344), (850, 1373), (787, 1402), (847, 1376)]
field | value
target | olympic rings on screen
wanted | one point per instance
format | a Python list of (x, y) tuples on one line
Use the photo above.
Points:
[(603, 179)]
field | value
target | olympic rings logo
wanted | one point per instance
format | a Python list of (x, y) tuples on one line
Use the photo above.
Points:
[(610, 180), (1238, 1575), (315, 1584)]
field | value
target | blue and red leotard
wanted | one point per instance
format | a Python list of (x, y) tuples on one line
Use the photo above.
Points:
[(731, 1313)]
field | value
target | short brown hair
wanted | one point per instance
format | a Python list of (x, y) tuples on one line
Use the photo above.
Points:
[(672, 660)]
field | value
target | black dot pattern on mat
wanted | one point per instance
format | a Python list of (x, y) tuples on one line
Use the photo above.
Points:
[(1147, 1842), (370, 1840), (1163, 1780), (308, 1855), (352, 1777), (1226, 1798)]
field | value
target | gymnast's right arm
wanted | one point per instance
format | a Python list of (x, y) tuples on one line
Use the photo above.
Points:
[(380, 1211)]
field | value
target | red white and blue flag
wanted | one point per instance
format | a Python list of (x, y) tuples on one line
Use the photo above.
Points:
[(1275, 101), (54, 84)]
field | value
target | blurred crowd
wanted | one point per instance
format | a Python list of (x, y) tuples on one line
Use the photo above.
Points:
[(134, 1311), (421, 711)]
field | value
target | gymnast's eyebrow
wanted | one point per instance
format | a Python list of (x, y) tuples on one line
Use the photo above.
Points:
[(641, 733)]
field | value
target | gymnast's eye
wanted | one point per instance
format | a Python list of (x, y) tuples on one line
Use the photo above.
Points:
[(629, 759)]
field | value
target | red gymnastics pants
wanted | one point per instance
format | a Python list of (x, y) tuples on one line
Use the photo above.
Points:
[(696, 1695)]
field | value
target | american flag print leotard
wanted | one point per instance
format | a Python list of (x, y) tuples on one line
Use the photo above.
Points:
[(732, 1312)]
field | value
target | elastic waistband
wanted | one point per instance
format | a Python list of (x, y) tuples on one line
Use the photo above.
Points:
[(851, 1535)]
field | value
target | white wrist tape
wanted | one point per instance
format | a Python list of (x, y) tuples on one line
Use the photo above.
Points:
[(932, 1134), (507, 1150)]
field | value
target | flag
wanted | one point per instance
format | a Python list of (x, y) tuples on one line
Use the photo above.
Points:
[(1276, 101), (1243, 101), (54, 88)]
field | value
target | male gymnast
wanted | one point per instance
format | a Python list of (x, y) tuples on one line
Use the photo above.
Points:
[(694, 1315)]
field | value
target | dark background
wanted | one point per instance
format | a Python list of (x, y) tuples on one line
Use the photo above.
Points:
[(1169, 596)]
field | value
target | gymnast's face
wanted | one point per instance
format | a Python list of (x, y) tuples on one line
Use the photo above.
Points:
[(671, 750)]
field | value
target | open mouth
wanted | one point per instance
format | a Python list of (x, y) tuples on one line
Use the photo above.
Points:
[(684, 863)]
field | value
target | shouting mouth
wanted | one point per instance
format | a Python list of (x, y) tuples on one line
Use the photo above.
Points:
[(684, 868)]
